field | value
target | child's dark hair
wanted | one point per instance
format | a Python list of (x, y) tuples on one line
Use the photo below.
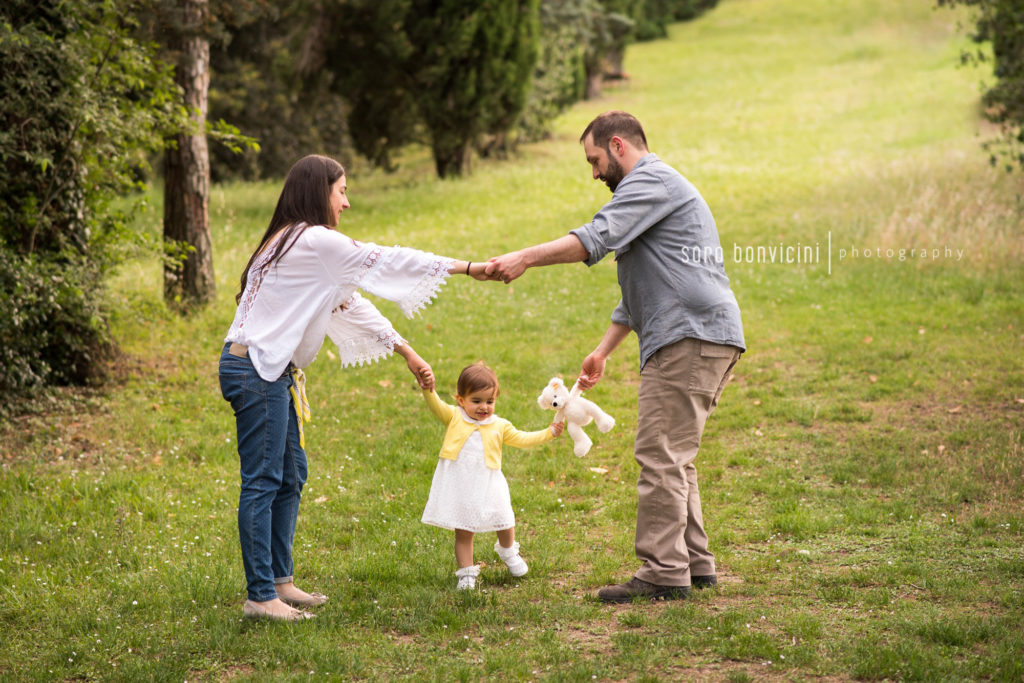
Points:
[(476, 377)]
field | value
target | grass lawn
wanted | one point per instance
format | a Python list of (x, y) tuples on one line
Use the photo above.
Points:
[(862, 478)]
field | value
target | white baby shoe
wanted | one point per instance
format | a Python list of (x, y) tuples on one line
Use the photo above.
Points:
[(510, 556), (467, 577)]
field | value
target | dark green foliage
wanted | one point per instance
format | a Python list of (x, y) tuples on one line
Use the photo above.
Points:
[(617, 23), (255, 85), (452, 74), (614, 24), (559, 75), (652, 17), (584, 41), (684, 10), (475, 61), (375, 67), (509, 71), (1001, 23), (614, 28), (83, 106), (52, 327), (79, 98), (442, 71)]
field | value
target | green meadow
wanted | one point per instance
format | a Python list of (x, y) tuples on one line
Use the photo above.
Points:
[(862, 477)]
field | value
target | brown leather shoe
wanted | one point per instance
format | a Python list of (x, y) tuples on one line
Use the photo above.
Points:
[(638, 588)]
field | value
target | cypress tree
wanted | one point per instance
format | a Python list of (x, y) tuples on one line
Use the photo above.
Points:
[(475, 64), (444, 72)]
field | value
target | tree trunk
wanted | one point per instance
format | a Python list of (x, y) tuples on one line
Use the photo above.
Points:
[(189, 282), (451, 161), (616, 57), (595, 78)]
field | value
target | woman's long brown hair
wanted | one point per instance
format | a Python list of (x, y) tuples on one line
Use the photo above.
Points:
[(305, 201)]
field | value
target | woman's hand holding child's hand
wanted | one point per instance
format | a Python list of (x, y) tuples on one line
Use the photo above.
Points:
[(426, 379), (556, 428), (419, 368), (424, 376)]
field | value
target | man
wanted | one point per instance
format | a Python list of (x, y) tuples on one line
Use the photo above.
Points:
[(676, 297)]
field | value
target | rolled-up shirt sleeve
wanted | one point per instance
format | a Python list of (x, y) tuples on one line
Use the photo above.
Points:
[(620, 315), (640, 201), (591, 242)]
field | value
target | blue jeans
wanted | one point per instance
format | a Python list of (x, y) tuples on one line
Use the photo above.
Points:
[(273, 468)]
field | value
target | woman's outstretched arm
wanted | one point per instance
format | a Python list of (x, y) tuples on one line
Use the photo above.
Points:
[(474, 269)]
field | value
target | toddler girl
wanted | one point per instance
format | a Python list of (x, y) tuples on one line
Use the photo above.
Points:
[(469, 493)]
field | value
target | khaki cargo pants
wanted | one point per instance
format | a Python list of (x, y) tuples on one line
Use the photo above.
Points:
[(679, 388)]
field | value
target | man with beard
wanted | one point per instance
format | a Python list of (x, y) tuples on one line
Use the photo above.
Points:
[(676, 297)]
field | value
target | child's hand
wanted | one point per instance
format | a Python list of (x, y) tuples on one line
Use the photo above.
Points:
[(425, 377), (556, 428), (420, 369)]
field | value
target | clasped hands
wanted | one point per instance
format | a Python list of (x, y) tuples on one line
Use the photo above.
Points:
[(505, 268)]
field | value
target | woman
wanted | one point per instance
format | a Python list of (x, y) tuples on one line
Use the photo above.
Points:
[(298, 287)]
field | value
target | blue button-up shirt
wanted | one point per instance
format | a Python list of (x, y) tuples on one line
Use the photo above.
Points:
[(669, 258)]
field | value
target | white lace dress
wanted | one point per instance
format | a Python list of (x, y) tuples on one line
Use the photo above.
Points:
[(466, 494)]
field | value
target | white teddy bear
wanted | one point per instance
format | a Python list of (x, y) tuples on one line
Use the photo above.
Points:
[(577, 412)]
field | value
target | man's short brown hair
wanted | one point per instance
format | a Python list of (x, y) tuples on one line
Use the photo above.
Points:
[(615, 122)]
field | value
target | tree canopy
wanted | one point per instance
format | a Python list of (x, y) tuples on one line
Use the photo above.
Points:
[(90, 101)]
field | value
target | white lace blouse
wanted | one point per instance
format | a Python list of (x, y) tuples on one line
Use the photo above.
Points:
[(289, 306)]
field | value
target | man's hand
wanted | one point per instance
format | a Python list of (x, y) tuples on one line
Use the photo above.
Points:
[(567, 249), (591, 371), (507, 267)]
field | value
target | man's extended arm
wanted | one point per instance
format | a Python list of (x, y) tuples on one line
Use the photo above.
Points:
[(509, 266)]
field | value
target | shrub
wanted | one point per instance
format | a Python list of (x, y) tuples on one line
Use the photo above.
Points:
[(52, 327), (1001, 23), (83, 107)]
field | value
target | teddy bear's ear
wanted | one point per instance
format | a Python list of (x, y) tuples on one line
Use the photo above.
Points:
[(556, 382)]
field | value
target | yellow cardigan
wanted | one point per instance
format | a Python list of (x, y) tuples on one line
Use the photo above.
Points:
[(494, 433)]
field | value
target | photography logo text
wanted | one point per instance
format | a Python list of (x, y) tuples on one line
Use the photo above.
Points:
[(820, 254)]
